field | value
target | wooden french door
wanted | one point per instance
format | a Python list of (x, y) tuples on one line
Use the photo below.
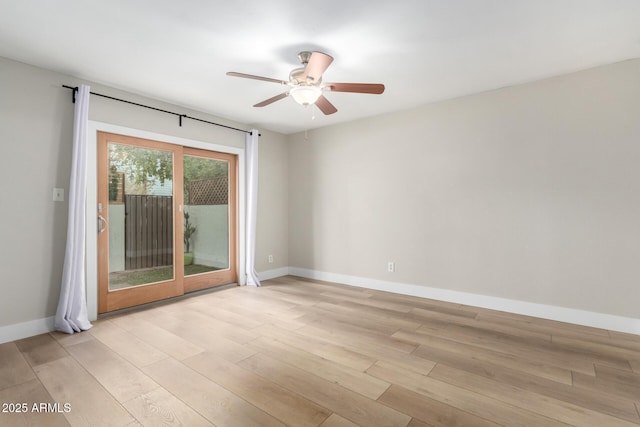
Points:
[(167, 220)]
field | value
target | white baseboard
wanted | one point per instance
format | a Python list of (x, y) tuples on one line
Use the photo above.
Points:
[(18, 331), (272, 274), (562, 314)]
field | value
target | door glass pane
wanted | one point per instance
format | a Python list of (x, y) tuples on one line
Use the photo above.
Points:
[(140, 216), (206, 215)]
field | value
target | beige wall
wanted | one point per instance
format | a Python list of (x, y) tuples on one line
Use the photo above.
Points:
[(529, 193), (273, 202), (36, 119)]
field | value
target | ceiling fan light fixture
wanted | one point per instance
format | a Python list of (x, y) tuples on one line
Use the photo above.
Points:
[(305, 83), (305, 95)]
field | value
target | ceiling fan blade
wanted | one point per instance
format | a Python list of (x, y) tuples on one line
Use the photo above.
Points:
[(250, 76), (373, 88), (317, 65), (325, 106), (272, 100)]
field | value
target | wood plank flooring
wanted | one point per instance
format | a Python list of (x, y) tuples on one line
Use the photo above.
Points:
[(299, 352)]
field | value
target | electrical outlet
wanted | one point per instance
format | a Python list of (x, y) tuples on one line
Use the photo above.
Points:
[(270, 259), (391, 266)]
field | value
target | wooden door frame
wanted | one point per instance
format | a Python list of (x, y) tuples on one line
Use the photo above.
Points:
[(116, 299), (236, 146)]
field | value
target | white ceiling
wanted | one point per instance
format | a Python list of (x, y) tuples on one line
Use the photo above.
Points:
[(422, 50)]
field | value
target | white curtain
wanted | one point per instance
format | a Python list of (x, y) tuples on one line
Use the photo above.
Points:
[(72, 307), (252, 201)]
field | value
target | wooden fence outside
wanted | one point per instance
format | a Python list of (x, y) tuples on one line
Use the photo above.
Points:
[(148, 229)]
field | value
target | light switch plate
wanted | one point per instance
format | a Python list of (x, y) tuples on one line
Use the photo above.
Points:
[(58, 194)]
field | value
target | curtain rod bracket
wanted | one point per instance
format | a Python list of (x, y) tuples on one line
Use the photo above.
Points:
[(73, 94), (180, 116)]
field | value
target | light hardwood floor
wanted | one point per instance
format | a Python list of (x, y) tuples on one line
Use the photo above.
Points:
[(304, 353)]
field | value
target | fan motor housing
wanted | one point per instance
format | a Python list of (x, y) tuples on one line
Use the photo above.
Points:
[(296, 78)]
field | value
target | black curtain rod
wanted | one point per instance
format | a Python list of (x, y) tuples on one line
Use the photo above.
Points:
[(180, 116)]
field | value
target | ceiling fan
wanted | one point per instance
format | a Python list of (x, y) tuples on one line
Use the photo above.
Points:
[(306, 86)]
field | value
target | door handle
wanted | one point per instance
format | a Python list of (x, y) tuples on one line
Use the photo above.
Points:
[(102, 224)]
